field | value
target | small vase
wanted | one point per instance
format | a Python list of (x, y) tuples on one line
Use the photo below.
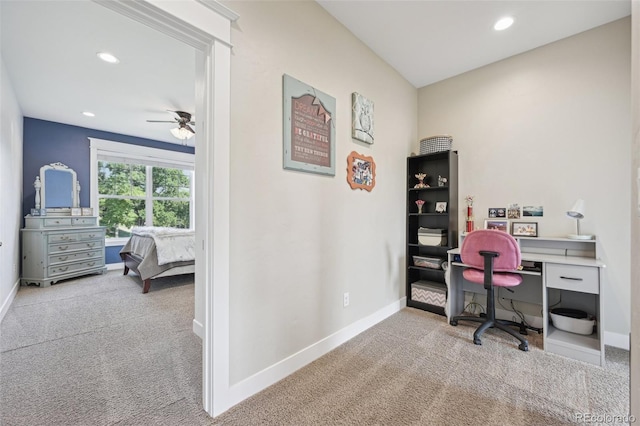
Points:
[(419, 209)]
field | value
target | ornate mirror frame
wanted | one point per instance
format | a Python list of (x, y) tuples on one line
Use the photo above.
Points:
[(40, 185)]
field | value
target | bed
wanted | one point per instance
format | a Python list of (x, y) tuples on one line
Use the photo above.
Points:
[(154, 252)]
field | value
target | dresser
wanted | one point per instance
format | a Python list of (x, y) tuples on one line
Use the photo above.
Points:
[(60, 247)]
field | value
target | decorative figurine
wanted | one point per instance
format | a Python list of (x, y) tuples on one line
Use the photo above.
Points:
[(421, 184), (442, 181), (420, 203)]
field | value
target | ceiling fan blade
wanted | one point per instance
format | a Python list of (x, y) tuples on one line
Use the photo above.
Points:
[(183, 115), (186, 126), (160, 121)]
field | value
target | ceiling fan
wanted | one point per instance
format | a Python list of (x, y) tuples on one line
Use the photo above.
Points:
[(183, 120)]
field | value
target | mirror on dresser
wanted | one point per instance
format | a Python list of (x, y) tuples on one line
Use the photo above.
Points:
[(57, 190), (60, 240)]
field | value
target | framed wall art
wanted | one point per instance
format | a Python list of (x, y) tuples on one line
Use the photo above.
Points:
[(362, 118), (308, 128), (361, 171)]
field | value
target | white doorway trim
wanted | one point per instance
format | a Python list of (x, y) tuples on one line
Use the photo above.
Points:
[(206, 26)]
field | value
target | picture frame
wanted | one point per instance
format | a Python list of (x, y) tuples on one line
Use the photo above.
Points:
[(361, 118), (497, 212), (499, 224), (524, 229), (441, 207), (361, 171), (309, 131)]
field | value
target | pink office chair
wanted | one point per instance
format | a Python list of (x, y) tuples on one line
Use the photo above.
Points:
[(490, 255)]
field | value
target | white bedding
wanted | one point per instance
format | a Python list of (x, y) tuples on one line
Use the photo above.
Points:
[(172, 244)]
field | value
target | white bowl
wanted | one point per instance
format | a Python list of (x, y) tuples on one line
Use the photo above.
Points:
[(573, 325)]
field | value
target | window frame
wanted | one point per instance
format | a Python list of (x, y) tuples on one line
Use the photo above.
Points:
[(104, 150)]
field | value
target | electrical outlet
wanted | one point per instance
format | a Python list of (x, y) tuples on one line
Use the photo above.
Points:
[(345, 300)]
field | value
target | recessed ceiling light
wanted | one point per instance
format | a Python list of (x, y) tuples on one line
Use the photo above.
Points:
[(503, 23), (108, 57), (88, 114)]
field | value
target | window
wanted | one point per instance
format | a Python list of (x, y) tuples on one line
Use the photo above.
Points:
[(138, 186)]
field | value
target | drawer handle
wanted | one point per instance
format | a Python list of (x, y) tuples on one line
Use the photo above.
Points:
[(63, 248), (571, 278), (91, 244), (62, 259), (92, 235), (91, 264), (63, 269)]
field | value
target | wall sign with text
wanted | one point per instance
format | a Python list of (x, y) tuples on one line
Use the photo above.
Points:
[(309, 128)]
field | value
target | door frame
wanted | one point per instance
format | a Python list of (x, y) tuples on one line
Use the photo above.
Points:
[(206, 26)]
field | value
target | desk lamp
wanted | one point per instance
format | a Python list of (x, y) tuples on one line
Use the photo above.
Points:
[(577, 212)]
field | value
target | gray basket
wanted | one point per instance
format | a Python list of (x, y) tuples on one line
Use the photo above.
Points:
[(435, 144)]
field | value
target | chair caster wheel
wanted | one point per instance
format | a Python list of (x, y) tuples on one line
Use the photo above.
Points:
[(523, 347), (477, 341), (453, 323)]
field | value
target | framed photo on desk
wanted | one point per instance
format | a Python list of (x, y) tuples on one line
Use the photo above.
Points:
[(499, 224), (524, 229)]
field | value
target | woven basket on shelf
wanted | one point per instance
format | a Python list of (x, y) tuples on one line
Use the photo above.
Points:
[(435, 144)]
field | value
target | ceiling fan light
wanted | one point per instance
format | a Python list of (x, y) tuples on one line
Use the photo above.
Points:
[(181, 133)]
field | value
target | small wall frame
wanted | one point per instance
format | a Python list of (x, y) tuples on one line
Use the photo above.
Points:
[(362, 118), (361, 171)]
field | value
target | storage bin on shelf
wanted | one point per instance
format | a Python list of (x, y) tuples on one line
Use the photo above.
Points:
[(429, 293), (432, 237), (436, 143), (427, 262)]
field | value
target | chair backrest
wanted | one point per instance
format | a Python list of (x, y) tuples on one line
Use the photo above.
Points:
[(490, 240)]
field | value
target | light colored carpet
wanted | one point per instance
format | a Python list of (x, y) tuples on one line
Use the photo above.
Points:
[(415, 369), (96, 351)]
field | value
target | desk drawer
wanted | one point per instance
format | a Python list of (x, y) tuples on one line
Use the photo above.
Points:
[(583, 279)]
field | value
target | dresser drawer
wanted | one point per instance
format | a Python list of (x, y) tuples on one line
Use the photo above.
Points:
[(72, 267), (64, 247), (73, 257), (84, 221), (584, 279), (91, 235), (57, 221), (76, 236)]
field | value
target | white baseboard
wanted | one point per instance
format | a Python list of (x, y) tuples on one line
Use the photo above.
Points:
[(115, 266), (616, 340), (198, 329), (287, 366), (6, 304)]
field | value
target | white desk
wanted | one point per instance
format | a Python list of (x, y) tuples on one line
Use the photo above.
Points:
[(570, 277)]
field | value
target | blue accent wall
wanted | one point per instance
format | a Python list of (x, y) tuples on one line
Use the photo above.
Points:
[(47, 142)]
